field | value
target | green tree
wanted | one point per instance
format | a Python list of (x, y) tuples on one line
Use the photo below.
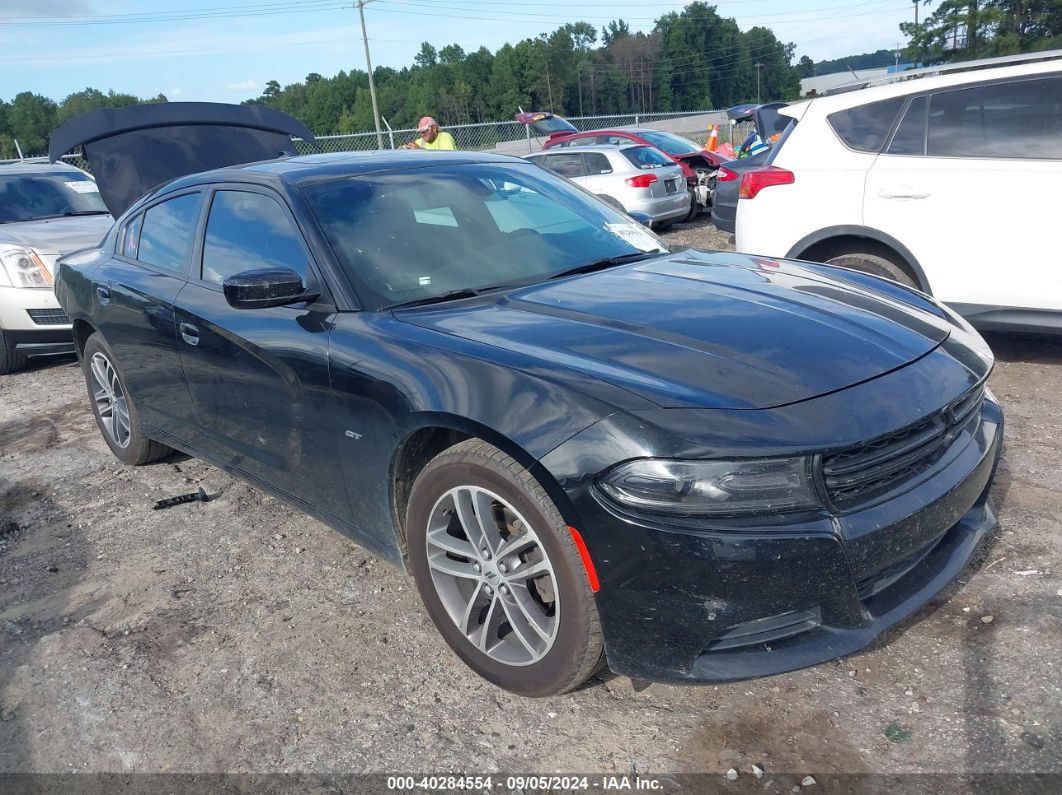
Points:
[(31, 119)]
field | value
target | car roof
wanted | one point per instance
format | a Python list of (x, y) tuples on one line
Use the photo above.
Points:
[(30, 167), (559, 150), (924, 81), (302, 169)]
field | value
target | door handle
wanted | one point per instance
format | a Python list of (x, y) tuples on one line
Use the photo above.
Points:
[(902, 192), (103, 295), (189, 333)]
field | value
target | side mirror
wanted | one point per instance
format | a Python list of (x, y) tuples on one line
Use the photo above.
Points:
[(644, 219), (264, 287)]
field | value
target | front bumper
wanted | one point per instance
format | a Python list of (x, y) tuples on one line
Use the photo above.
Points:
[(32, 319), (682, 605)]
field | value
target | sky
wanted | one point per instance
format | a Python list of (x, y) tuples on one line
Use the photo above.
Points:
[(227, 50)]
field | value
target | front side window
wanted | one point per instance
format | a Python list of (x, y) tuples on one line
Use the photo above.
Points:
[(166, 234), (404, 237), (247, 231), (865, 127), (567, 164), (1021, 119), (42, 194)]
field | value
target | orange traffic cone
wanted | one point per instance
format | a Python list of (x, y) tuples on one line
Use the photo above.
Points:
[(713, 138)]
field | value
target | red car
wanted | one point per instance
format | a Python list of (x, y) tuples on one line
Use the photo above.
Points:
[(698, 164)]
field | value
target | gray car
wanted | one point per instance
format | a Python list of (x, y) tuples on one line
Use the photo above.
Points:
[(636, 178), (46, 210)]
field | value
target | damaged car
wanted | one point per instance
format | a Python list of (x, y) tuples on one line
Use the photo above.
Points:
[(586, 448)]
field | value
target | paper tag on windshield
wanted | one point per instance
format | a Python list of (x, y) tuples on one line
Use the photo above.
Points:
[(636, 235), (83, 186)]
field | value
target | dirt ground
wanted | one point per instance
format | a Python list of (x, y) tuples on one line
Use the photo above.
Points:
[(241, 636)]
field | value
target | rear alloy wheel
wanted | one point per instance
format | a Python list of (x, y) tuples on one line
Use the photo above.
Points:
[(113, 407), (874, 264), (11, 360), (499, 573)]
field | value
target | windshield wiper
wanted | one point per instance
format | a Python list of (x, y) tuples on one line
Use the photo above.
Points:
[(67, 214), (610, 262), (453, 295)]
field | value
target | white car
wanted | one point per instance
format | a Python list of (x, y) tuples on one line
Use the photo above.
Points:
[(632, 177), (45, 211), (947, 183)]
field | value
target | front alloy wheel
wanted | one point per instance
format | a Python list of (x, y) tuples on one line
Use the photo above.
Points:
[(499, 572), (492, 575)]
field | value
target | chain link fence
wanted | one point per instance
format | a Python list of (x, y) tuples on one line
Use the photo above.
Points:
[(513, 138)]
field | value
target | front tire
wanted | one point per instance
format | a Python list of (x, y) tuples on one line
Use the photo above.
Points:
[(11, 361), (113, 407), (499, 573)]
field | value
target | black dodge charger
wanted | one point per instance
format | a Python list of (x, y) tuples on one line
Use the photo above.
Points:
[(587, 448)]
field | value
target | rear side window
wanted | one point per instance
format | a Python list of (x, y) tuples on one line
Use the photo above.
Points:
[(1004, 120), (864, 128), (167, 232), (910, 137), (647, 157), (131, 236), (247, 231), (597, 163)]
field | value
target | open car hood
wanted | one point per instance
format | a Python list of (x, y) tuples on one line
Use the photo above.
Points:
[(136, 148)]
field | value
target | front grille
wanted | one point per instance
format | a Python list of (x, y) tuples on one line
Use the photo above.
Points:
[(767, 630), (48, 317), (871, 469)]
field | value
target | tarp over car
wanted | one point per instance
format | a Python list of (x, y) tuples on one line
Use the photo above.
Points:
[(136, 148)]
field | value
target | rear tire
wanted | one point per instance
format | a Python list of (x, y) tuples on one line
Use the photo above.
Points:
[(694, 208), (499, 573), (114, 409), (11, 360), (876, 264)]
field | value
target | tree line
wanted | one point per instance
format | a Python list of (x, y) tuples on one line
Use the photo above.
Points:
[(30, 118), (962, 30), (693, 59)]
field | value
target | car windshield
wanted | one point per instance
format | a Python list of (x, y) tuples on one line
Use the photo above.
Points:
[(670, 143), (441, 231), (34, 196)]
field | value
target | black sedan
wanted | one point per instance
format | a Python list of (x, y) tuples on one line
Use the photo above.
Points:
[(585, 448)]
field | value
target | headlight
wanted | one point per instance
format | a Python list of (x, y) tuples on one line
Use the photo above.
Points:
[(21, 267), (712, 488)]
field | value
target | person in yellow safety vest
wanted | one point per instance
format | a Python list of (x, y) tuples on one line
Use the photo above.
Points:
[(430, 136)]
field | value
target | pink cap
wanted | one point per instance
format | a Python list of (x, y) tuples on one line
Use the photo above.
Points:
[(425, 123)]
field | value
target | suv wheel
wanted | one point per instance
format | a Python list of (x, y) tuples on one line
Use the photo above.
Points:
[(499, 573), (113, 407), (876, 264), (10, 359)]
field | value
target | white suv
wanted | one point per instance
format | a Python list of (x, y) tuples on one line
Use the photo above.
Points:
[(45, 211), (947, 183)]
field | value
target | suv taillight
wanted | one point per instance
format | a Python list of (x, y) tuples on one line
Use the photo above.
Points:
[(752, 182), (725, 175), (641, 181)]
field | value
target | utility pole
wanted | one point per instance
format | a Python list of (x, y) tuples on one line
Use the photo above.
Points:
[(918, 45), (759, 66), (372, 83)]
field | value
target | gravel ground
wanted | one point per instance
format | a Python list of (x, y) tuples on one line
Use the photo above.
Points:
[(239, 635)]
